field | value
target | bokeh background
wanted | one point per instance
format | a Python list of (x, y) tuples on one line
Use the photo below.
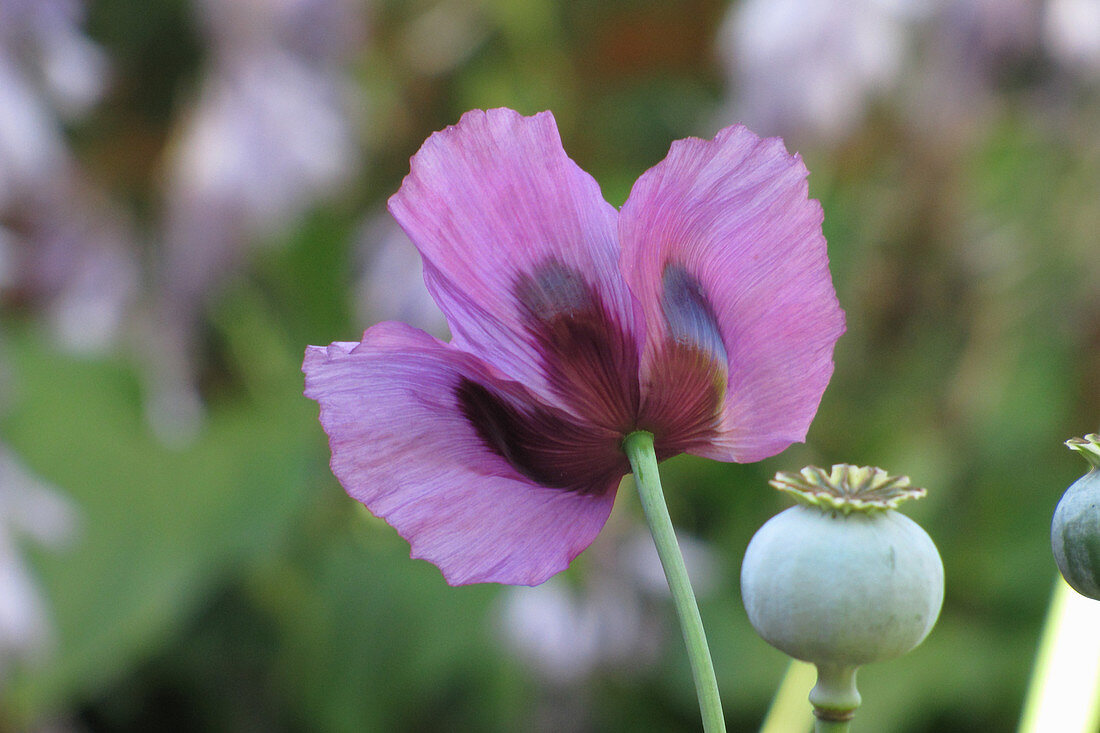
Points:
[(191, 191)]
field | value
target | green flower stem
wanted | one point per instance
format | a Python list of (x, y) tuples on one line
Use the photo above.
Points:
[(643, 460)]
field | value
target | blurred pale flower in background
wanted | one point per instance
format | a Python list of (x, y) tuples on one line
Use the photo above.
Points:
[(1071, 32), (63, 246), (271, 132), (617, 619), (980, 59), (812, 67), (973, 51), (813, 70), (74, 260), (271, 129), (29, 508), (61, 253), (45, 35), (391, 279)]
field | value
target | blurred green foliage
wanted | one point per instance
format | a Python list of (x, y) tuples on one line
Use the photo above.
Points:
[(231, 585)]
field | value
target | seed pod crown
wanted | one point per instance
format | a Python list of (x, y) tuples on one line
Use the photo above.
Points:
[(847, 488)]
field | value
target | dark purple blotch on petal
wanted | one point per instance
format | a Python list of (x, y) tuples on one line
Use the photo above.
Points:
[(542, 444), (685, 384), (688, 312), (591, 364), (590, 359), (684, 390), (554, 291)]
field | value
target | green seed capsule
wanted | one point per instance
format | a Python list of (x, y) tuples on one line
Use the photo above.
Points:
[(1075, 530), (831, 588), (842, 579)]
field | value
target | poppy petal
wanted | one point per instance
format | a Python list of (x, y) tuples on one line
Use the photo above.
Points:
[(415, 428), (521, 254), (725, 252)]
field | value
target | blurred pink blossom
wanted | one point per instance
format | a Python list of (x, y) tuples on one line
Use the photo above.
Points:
[(1071, 32), (28, 507), (811, 67), (271, 132), (64, 247), (391, 279), (614, 619), (813, 70)]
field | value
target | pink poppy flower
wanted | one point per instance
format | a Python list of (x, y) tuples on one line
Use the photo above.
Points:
[(703, 311)]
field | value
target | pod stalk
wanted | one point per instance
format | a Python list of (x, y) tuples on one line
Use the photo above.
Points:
[(834, 697)]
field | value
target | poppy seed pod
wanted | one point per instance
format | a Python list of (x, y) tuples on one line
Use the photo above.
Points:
[(1075, 530), (842, 579)]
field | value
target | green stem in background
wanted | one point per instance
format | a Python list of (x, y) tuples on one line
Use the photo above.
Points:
[(790, 711), (1064, 693), (643, 460)]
